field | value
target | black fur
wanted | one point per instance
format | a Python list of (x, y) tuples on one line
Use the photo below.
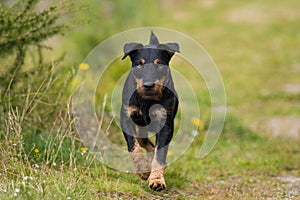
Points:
[(149, 83)]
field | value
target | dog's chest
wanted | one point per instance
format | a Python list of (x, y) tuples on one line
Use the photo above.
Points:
[(146, 114)]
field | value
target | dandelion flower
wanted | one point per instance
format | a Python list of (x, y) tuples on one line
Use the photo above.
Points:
[(84, 66), (170, 153), (83, 150), (36, 150), (197, 122)]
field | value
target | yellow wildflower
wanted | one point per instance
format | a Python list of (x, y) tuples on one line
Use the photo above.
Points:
[(36, 150), (170, 153), (84, 149), (197, 122), (84, 66)]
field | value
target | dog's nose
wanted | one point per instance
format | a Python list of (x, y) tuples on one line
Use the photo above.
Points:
[(148, 85)]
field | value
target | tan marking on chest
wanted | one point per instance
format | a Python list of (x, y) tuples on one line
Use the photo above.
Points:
[(131, 110), (159, 113)]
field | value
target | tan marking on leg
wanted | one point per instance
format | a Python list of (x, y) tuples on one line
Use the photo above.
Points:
[(159, 113), (156, 180), (156, 61), (143, 61), (149, 148), (141, 165), (131, 110)]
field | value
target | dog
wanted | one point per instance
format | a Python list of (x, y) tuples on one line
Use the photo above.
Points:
[(149, 104)]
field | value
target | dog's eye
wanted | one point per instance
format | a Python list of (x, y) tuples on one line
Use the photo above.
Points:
[(158, 62), (139, 63)]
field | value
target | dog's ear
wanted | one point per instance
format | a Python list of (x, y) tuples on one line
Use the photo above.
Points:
[(171, 48), (130, 47)]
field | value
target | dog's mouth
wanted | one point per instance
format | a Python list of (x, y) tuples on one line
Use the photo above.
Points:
[(155, 95), (150, 94)]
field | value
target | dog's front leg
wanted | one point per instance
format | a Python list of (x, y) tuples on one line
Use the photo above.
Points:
[(140, 164), (156, 180)]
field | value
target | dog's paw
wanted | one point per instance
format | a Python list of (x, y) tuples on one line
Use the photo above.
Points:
[(142, 169), (156, 183), (141, 166), (144, 175)]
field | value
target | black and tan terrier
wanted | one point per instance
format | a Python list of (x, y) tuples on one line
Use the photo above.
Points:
[(149, 104)]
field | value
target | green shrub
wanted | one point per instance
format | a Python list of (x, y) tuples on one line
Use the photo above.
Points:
[(33, 96), (21, 27)]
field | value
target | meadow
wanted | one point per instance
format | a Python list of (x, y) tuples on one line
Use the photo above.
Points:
[(255, 45)]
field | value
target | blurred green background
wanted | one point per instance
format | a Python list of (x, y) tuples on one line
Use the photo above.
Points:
[(253, 44)]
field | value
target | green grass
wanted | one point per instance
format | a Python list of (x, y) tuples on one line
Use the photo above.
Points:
[(256, 47), (240, 166)]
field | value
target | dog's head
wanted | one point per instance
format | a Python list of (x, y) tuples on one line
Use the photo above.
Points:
[(150, 66)]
